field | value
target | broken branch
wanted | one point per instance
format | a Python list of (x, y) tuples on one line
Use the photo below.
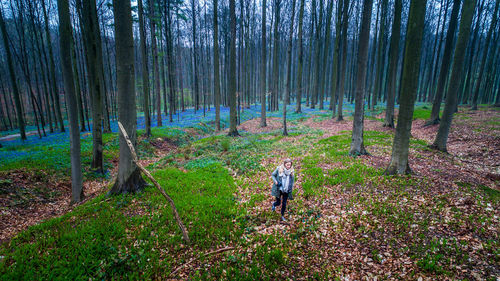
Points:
[(155, 183)]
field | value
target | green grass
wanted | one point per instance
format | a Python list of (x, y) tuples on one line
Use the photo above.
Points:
[(132, 235), (334, 151), (422, 112)]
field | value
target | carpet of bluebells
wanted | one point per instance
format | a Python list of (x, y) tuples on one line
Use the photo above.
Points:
[(52, 151)]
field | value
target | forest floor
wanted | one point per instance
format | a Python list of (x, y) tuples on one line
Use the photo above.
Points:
[(348, 221)]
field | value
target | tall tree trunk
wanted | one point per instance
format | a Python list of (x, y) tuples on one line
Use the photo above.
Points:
[(357, 146), (371, 70), (343, 63), (276, 69), (436, 62), (233, 131), (393, 64), (216, 67), (156, 63), (326, 50), (195, 59), (78, 91), (289, 70), (263, 122), (445, 64), (470, 73), (335, 65), (411, 65), (298, 106), (13, 79), (129, 176), (485, 56), (144, 72), (170, 63), (92, 40), (456, 75), (53, 71), (434, 53), (380, 56), (318, 63), (179, 60), (65, 41), (310, 65)]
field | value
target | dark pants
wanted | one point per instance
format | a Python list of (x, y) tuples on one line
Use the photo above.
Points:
[(283, 203)]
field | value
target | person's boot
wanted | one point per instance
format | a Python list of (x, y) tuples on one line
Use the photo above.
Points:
[(283, 219), (273, 207)]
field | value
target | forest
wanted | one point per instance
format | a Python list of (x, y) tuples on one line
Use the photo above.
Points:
[(161, 139)]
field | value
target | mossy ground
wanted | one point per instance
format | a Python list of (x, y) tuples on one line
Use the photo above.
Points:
[(347, 219)]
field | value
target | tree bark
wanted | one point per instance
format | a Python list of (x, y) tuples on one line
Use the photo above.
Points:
[(298, 106), (326, 50), (263, 122), (411, 65), (195, 59), (393, 65), (65, 41), (336, 65), (144, 72), (456, 75), (216, 67), (156, 63), (318, 62), (276, 47), (357, 145), (91, 33), (289, 70), (233, 131), (129, 177), (343, 63), (170, 62), (380, 56), (445, 64), (53, 71)]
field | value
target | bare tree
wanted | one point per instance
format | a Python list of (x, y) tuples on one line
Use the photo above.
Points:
[(485, 55), (289, 70), (413, 49), (298, 107), (393, 64), (343, 63), (357, 145), (445, 64), (13, 79), (456, 75), (144, 72), (216, 68), (233, 131), (129, 176), (65, 39), (263, 69)]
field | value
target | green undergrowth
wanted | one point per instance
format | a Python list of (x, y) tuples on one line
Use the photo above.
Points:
[(329, 163), (242, 154), (422, 112), (128, 235)]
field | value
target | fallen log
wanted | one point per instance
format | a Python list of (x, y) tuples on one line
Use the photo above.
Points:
[(155, 183)]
